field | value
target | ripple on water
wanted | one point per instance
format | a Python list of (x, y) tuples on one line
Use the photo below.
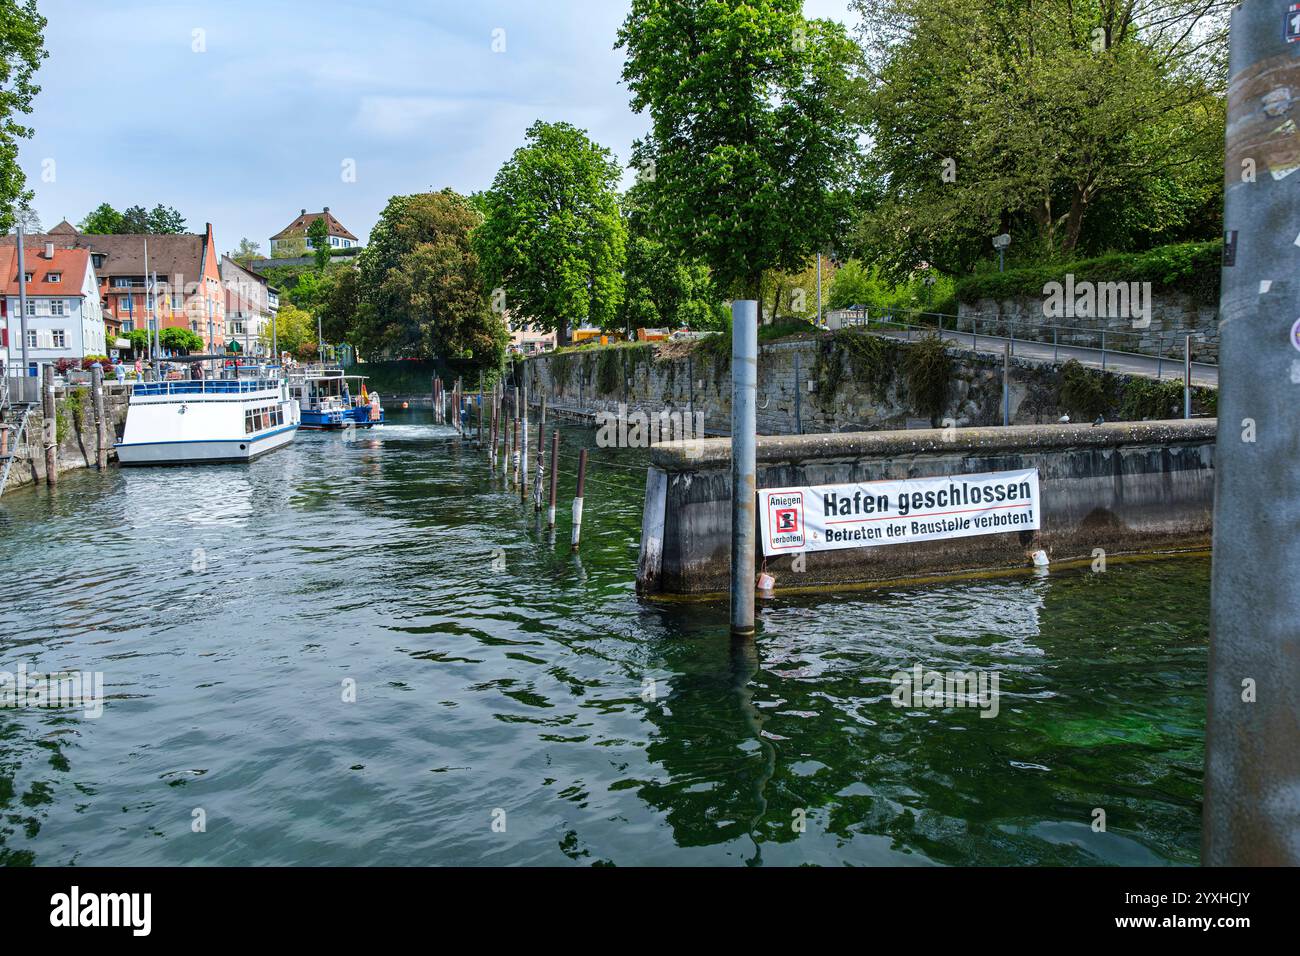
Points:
[(357, 652)]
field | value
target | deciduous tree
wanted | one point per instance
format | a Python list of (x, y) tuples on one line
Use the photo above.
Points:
[(22, 47), (752, 130), (552, 241)]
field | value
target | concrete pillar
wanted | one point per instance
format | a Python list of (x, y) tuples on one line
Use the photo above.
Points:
[(1252, 760)]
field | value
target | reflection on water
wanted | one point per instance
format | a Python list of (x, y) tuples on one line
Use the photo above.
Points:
[(230, 609)]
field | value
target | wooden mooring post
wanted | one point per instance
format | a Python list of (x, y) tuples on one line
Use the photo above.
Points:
[(101, 423), (51, 428), (541, 443), (555, 474), (577, 497)]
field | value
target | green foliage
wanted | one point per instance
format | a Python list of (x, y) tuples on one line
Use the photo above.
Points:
[(752, 137), (292, 246), (295, 331), (412, 376), (181, 340), (1191, 267), (1083, 394), (855, 283), (784, 328), (609, 371), (160, 221), (318, 239), (419, 291), (663, 289), (22, 47), (561, 365), (928, 369), (245, 252), (552, 238), (872, 360), (1070, 127), (139, 339)]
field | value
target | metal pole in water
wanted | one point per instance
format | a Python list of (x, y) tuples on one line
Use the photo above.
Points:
[(51, 426), (744, 485), (577, 498), (514, 450), (555, 474), (1252, 763), (480, 409), (1187, 376)]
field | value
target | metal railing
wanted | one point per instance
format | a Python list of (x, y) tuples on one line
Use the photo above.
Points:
[(969, 327), (204, 386)]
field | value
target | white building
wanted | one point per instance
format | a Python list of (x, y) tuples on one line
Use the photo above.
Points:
[(64, 316), (248, 307)]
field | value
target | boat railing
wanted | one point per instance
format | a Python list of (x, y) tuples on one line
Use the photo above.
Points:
[(215, 386)]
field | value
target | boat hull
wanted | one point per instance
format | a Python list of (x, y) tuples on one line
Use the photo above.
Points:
[(212, 452)]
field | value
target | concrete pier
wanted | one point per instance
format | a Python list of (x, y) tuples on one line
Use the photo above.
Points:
[(1119, 488)]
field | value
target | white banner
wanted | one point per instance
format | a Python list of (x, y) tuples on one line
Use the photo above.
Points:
[(829, 517)]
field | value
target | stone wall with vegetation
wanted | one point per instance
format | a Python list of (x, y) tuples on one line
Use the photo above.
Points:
[(1183, 282), (846, 381), (75, 433)]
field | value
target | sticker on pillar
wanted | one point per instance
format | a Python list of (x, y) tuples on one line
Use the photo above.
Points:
[(784, 521), (1295, 334), (1291, 24)]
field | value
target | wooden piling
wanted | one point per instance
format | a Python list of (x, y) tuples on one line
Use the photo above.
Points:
[(523, 446), (51, 434), (577, 498), (555, 474), (541, 468), (480, 410), (101, 423)]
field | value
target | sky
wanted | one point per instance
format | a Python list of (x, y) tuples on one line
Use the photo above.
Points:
[(242, 113)]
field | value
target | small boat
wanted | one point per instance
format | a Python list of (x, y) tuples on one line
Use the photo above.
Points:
[(330, 399), (207, 421)]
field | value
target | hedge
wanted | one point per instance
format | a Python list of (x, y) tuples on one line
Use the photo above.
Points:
[(1190, 267)]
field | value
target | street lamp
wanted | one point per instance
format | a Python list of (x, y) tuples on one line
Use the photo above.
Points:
[(1000, 243)]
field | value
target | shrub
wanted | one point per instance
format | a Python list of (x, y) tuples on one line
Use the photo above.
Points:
[(1191, 267), (928, 368)]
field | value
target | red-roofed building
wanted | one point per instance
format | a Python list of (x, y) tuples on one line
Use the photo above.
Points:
[(64, 317), (293, 237)]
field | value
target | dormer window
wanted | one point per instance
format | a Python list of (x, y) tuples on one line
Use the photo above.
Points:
[(27, 276), (98, 259), (54, 277)]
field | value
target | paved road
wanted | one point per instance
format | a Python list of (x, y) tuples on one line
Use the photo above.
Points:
[(1125, 362)]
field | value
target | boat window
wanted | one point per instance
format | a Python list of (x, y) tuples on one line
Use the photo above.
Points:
[(248, 421)]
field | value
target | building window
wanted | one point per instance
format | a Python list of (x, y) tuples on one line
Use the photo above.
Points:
[(121, 282), (31, 306), (54, 277), (58, 339), (56, 307), (98, 260), (31, 339)]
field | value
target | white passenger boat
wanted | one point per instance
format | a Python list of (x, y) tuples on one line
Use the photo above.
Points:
[(192, 422)]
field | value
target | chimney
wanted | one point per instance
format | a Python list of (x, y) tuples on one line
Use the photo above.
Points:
[(49, 248), (327, 209), (303, 213)]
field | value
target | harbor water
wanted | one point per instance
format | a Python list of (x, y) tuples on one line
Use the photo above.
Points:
[(370, 652)]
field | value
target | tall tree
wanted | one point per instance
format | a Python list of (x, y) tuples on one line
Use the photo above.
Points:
[(752, 130), (990, 116), (246, 251), (419, 290), (553, 241), (662, 288), (22, 47), (318, 238), (103, 220), (164, 220), (135, 220)]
